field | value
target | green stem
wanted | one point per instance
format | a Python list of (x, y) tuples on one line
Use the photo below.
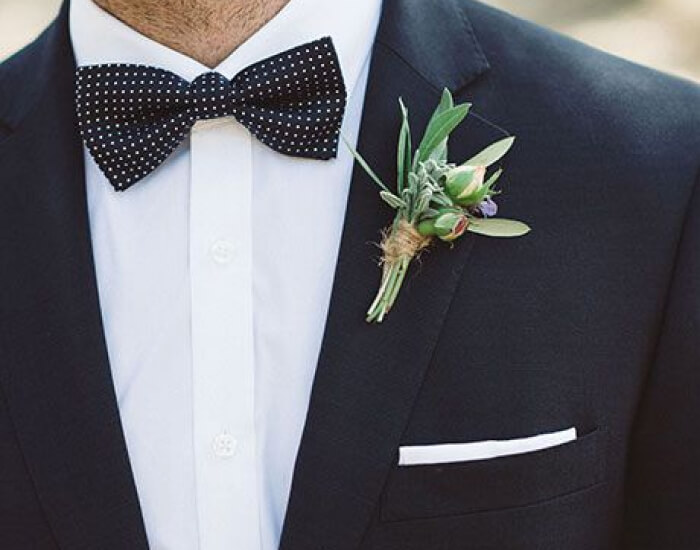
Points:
[(371, 312), (403, 269), (381, 310), (393, 276), (389, 291)]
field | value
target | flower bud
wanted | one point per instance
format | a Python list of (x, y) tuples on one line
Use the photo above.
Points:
[(427, 227), (465, 184), (450, 224)]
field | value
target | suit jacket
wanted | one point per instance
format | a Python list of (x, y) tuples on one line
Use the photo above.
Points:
[(591, 321)]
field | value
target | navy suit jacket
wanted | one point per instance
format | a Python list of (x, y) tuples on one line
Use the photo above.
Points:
[(593, 320)]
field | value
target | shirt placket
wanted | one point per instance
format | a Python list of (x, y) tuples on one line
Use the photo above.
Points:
[(222, 335)]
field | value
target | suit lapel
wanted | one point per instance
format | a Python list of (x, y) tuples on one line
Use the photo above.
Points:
[(368, 376), (54, 371)]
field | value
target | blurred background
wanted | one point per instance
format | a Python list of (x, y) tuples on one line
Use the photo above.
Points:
[(661, 33)]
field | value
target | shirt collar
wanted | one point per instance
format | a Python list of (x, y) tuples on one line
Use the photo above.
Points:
[(99, 37)]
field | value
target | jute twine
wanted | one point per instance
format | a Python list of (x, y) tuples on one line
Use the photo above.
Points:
[(403, 241)]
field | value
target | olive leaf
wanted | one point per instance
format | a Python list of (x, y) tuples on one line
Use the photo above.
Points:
[(439, 128), (446, 102), (362, 162), (422, 203), (492, 154), (429, 213), (392, 200), (403, 157), (441, 199), (498, 227), (493, 179)]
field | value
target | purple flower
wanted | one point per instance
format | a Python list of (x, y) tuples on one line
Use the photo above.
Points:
[(488, 208)]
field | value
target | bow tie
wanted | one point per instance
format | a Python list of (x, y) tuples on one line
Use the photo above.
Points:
[(132, 117)]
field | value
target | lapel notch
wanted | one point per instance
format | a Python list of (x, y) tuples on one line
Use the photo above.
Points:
[(436, 39)]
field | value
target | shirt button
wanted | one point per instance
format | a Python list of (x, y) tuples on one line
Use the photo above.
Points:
[(222, 252), (225, 445)]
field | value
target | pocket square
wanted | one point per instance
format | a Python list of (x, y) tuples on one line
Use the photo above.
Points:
[(481, 450)]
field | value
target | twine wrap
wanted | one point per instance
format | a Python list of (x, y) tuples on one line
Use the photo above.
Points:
[(402, 241)]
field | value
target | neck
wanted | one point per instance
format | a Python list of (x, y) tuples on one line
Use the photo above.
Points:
[(205, 30)]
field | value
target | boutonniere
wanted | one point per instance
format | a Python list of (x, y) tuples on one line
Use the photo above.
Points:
[(435, 198)]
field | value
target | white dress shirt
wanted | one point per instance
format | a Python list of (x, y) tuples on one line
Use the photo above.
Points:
[(214, 276)]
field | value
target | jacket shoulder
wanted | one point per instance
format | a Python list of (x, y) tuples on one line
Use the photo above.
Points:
[(622, 106)]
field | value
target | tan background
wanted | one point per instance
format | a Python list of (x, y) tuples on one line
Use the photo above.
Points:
[(661, 33)]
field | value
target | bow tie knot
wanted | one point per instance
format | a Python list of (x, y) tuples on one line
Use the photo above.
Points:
[(211, 95), (132, 117)]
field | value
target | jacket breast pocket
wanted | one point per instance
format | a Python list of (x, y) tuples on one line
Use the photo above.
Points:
[(431, 491)]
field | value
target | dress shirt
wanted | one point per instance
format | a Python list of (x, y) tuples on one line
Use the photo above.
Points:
[(214, 275)]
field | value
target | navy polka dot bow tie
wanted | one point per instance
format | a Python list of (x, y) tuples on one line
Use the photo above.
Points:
[(132, 117)]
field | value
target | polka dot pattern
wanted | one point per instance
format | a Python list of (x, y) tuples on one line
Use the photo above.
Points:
[(132, 117)]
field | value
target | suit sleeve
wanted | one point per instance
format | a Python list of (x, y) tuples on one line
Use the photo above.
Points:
[(662, 497)]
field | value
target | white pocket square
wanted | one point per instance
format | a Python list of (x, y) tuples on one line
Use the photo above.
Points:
[(481, 450)]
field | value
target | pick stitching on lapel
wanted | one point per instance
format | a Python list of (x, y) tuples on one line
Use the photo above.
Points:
[(368, 376)]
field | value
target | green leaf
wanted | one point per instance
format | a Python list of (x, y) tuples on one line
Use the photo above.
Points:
[(446, 103), (422, 203), (408, 197), (441, 199), (362, 162), (416, 158), (493, 179), (498, 227), (404, 150), (492, 154), (440, 152), (430, 213), (413, 181), (392, 200), (440, 128)]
